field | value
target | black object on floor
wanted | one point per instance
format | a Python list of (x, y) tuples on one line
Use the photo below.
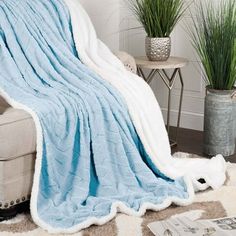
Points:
[(11, 212)]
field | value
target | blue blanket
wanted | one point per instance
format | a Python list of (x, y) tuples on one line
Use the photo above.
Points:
[(90, 159)]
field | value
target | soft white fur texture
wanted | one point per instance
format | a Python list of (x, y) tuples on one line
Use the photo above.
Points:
[(147, 117), (116, 207), (142, 104)]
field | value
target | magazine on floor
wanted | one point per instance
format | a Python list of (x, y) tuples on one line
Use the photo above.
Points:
[(183, 226)]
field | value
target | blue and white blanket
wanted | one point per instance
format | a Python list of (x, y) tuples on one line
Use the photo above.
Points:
[(92, 157)]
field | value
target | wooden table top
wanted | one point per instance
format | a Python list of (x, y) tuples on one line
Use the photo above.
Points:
[(171, 63)]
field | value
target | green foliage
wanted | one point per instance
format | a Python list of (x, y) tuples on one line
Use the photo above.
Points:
[(158, 17), (214, 38)]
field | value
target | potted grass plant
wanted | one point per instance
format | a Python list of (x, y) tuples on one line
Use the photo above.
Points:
[(214, 38), (158, 18)]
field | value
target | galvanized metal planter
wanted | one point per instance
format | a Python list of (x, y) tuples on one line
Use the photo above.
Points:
[(219, 123), (158, 49), (234, 116)]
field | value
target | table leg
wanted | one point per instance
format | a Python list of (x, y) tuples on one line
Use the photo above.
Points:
[(180, 102), (168, 109), (140, 72), (150, 76), (169, 82)]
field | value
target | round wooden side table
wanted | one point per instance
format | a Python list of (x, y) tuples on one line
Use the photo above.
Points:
[(160, 67)]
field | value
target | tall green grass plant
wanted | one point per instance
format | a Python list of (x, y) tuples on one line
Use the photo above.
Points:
[(158, 17), (214, 38)]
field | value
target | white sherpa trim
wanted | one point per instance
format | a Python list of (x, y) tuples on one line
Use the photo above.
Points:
[(142, 104), (116, 206), (142, 116)]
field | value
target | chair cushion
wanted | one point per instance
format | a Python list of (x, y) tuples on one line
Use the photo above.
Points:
[(16, 178), (17, 133)]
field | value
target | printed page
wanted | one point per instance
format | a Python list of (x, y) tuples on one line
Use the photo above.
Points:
[(180, 226)]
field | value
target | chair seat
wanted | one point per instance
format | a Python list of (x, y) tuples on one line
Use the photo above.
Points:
[(17, 133)]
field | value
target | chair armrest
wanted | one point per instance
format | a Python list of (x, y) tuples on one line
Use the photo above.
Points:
[(128, 61)]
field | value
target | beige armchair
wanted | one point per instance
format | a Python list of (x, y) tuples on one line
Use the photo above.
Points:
[(18, 153), (128, 61)]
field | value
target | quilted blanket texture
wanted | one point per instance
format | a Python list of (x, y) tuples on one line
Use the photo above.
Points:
[(91, 159), (143, 108)]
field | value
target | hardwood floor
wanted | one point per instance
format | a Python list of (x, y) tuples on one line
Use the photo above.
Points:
[(191, 141)]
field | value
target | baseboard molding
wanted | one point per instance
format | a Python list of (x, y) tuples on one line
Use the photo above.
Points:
[(189, 120)]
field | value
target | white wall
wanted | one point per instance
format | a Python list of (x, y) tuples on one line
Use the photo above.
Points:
[(105, 15), (193, 104)]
